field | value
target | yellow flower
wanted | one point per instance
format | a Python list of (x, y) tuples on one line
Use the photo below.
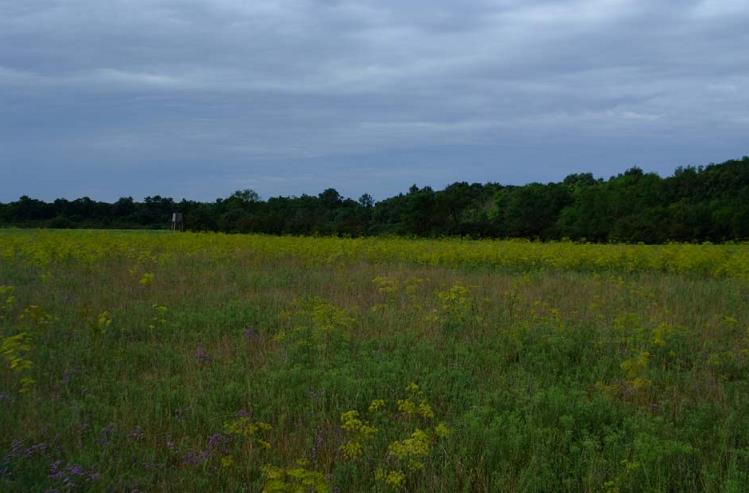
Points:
[(406, 406), (395, 479), (376, 405), (350, 421), (359, 432), (146, 279), (425, 410), (351, 450), (412, 450), (441, 430)]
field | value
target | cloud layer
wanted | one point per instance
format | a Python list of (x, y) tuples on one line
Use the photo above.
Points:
[(197, 98)]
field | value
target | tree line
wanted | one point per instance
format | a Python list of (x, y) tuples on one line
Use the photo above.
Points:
[(705, 203)]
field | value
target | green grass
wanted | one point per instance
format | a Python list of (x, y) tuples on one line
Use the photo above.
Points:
[(548, 380)]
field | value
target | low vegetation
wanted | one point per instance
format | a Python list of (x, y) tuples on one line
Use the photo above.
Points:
[(209, 362)]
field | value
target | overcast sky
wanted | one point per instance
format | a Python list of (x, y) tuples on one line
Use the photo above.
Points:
[(198, 98)]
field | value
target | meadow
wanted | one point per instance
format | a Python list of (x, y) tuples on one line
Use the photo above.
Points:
[(152, 361)]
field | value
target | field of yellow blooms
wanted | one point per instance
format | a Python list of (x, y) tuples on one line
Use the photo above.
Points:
[(154, 361)]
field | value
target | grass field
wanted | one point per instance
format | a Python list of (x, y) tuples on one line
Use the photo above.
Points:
[(205, 362)]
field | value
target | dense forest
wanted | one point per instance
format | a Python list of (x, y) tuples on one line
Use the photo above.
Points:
[(705, 203)]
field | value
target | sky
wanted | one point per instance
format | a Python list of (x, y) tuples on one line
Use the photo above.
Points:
[(198, 98)]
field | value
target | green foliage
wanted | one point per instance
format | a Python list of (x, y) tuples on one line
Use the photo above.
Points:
[(15, 350), (709, 203), (7, 301), (297, 479), (158, 317)]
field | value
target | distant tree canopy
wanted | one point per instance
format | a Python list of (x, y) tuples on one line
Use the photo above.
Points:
[(705, 203)]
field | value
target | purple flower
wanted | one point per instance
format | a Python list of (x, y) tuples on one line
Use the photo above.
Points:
[(105, 435), (193, 458), (55, 472), (215, 440), (318, 444), (137, 433), (15, 447), (179, 413), (219, 442), (201, 355), (316, 396), (37, 448), (67, 376), (67, 474)]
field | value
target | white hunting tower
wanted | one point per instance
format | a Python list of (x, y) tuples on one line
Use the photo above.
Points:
[(178, 222)]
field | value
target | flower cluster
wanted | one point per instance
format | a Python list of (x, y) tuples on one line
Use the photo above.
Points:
[(158, 319), (253, 432), (294, 479), (100, 324), (455, 308), (146, 279), (71, 476), (15, 350), (402, 457), (359, 433), (9, 301)]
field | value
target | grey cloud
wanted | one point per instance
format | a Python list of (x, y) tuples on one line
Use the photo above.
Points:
[(290, 96)]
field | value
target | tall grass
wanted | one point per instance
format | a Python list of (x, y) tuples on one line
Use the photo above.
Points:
[(155, 362)]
